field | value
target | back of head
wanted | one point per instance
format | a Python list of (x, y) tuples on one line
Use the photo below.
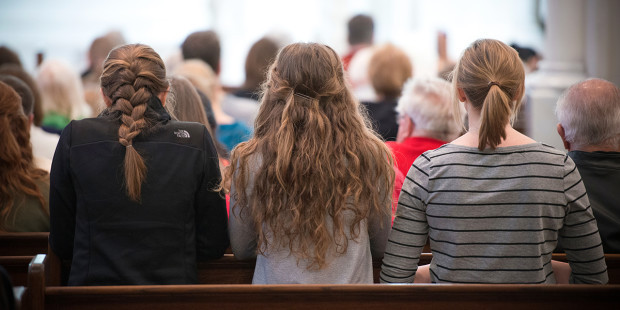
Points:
[(361, 29), (8, 56), (589, 112), (19, 73), (61, 89), (260, 56), (132, 76), (203, 45), (22, 90), (318, 157), (187, 104), (389, 68), (17, 171), (492, 76), (200, 75), (428, 102), (101, 47)]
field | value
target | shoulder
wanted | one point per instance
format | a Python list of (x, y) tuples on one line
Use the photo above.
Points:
[(181, 133)]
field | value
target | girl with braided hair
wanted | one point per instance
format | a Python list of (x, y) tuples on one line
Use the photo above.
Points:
[(132, 197), (311, 191)]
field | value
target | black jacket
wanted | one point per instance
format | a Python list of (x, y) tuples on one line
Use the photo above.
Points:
[(113, 240)]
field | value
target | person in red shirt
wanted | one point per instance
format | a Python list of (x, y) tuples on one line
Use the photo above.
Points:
[(361, 34), (425, 120)]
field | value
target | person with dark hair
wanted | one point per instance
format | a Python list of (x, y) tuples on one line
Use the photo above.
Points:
[(43, 143), (589, 125), (361, 30), (20, 73), (528, 56), (8, 56), (133, 195), (494, 203), (242, 104), (24, 92), (203, 45), (311, 191), (389, 69), (24, 188)]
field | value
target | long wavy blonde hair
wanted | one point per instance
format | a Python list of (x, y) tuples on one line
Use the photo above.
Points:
[(319, 159)]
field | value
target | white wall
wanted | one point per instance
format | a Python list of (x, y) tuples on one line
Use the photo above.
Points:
[(65, 28)]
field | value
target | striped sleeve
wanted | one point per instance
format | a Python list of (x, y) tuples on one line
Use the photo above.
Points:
[(579, 235), (410, 230)]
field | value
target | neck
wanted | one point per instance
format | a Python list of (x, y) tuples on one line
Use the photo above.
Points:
[(594, 148), (421, 133)]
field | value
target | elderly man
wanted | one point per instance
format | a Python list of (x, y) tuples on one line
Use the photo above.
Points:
[(426, 120), (589, 116)]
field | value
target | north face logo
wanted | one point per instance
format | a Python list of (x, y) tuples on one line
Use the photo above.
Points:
[(182, 133)]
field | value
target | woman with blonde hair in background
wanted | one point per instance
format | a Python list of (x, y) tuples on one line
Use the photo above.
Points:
[(494, 203), (311, 191), (62, 95), (132, 196), (230, 131), (24, 188)]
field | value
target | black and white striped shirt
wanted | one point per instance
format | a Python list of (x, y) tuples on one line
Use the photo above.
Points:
[(494, 216)]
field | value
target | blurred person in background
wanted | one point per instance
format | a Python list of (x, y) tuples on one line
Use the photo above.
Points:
[(24, 188), (62, 95), (242, 103), (361, 32), (389, 69), (589, 125)]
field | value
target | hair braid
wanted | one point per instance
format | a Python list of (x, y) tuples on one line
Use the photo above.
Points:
[(132, 75)]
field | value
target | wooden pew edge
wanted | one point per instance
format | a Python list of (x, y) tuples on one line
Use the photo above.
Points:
[(328, 288)]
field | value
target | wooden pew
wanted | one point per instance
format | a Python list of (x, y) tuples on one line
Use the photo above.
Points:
[(228, 270), (27, 243), (314, 297), (17, 267)]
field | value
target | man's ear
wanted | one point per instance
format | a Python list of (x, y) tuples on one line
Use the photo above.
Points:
[(106, 99), (563, 136), (406, 126)]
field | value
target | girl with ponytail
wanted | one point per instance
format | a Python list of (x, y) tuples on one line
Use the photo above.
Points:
[(493, 203), (311, 191), (132, 197)]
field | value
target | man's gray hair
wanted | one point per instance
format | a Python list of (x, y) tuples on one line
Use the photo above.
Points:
[(589, 112), (428, 102)]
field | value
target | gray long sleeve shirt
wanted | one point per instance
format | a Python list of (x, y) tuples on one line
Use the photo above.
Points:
[(279, 266), (494, 217)]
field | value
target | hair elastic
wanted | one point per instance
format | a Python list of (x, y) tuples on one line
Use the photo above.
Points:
[(493, 83)]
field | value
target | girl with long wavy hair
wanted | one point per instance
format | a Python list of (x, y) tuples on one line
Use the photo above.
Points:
[(311, 191), (23, 187), (132, 197)]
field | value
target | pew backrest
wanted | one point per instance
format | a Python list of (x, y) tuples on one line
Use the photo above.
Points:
[(20, 244)]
